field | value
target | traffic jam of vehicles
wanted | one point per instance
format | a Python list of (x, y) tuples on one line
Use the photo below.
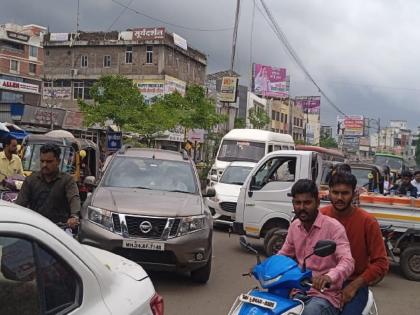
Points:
[(145, 209)]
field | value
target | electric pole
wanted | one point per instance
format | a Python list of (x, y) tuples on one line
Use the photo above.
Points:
[(235, 34)]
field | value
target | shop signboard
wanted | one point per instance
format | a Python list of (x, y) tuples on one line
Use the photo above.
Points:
[(228, 90), (19, 86), (145, 33), (114, 141)]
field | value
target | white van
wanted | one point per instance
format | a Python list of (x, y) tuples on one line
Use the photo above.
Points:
[(249, 145)]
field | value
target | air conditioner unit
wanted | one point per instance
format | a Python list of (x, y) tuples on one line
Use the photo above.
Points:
[(74, 72)]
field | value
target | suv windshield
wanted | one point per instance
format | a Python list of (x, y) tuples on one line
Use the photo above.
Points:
[(233, 150), (235, 175), (144, 173)]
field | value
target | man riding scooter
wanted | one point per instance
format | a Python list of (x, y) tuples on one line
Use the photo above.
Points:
[(50, 192), (329, 273)]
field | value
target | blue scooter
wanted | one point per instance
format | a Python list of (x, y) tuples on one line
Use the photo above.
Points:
[(277, 276)]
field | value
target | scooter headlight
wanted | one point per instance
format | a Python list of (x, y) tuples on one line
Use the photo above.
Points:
[(269, 282)]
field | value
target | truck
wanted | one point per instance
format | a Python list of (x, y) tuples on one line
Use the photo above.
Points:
[(264, 208)]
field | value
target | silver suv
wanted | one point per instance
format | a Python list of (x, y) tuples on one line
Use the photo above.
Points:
[(148, 207)]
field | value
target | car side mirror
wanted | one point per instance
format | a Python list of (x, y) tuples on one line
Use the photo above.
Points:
[(252, 186), (210, 192), (89, 180), (214, 178)]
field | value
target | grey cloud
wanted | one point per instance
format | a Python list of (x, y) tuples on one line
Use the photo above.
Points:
[(372, 42)]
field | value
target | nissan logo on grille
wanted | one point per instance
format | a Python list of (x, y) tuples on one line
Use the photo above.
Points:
[(145, 227)]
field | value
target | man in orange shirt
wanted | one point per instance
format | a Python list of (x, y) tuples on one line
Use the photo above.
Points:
[(366, 243)]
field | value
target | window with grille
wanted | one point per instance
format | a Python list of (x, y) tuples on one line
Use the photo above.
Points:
[(84, 61), (107, 61), (129, 55), (149, 54)]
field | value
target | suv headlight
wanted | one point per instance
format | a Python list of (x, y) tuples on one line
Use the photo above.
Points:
[(192, 224), (101, 217)]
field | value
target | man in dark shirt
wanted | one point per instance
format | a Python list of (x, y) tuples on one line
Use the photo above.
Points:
[(405, 188), (49, 192)]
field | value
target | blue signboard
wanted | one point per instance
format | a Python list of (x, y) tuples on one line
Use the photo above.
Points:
[(114, 141)]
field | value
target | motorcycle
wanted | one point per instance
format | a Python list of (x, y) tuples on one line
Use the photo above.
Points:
[(278, 275), (10, 187)]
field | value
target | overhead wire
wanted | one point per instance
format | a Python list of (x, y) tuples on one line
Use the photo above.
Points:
[(282, 37), (172, 24), (119, 15)]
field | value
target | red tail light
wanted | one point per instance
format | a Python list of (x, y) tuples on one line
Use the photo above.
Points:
[(156, 304)]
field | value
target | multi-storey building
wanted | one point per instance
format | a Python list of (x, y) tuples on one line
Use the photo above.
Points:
[(280, 116), (21, 68), (298, 122), (156, 61)]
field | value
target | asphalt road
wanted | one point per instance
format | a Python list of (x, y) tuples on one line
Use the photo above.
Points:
[(394, 295)]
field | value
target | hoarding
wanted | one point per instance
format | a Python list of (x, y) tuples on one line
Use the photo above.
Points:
[(270, 81), (180, 42), (353, 125), (228, 90), (150, 88), (113, 141), (73, 120), (173, 84), (309, 104), (59, 37)]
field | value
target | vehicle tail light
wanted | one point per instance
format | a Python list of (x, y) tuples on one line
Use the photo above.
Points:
[(156, 304)]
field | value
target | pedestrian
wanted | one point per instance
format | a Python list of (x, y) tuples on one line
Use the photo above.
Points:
[(52, 193), (10, 162), (405, 188), (416, 181), (367, 245), (303, 234)]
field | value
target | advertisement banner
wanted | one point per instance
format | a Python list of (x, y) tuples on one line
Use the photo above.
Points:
[(270, 81), (73, 120), (228, 90), (173, 84), (42, 115), (353, 125), (309, 104), (145, 33), (57, 92), (180, 42), (59, 37), (150, 88), (19, 86)]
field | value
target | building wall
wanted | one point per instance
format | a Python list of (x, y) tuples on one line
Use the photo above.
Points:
[(279, 116), (18, 49), (298, 123)]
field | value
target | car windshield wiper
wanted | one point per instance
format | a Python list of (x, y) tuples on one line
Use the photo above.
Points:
[(180, 191), (141, 187)]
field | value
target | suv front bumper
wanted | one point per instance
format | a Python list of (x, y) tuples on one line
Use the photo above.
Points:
[(184, 253)]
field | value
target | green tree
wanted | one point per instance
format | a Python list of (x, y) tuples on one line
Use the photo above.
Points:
[(328, 142), (258, 118), (155, 119), (114, 98), (239, 122)]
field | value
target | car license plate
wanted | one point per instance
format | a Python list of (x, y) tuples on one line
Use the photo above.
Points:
[(147, 245), (258, 301)]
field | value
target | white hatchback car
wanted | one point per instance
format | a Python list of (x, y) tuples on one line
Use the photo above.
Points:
[(43, 270), (223, 205)]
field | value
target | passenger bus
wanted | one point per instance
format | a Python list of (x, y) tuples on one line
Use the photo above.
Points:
[(396, 163), (248, 145)]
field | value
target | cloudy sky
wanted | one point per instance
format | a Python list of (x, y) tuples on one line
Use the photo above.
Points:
[(363, 54)]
